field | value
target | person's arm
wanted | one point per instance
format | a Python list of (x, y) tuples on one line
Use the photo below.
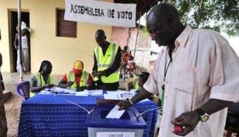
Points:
[(0, 60), (64, 82), (15, 41), (115, 66), (95, 67), (214, 105), (39, 88), (90, 79), (90, 82), (34, 87), (189, 120), (142, 94)]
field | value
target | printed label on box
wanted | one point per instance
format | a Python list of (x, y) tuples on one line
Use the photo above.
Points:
[(115, 134)]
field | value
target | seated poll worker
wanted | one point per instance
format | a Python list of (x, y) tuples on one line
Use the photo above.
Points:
[(77, 79), (107, 59), (43, 79), (143, 77), (198, 72), (139, 82)]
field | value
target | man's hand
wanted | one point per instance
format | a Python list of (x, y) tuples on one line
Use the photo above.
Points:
[(49, 85), (16, 47), (93, 73), (91, 87), (100, 74), (80, 88), (124, 104), (70, 83), (188, 121)]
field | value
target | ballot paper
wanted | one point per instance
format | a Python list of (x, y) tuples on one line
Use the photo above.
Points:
[(115, 113)]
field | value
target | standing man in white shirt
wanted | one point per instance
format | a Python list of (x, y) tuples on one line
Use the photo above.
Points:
[(25, 49), (196, 76)]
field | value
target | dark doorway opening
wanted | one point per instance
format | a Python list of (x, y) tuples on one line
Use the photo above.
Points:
[(14, 22)]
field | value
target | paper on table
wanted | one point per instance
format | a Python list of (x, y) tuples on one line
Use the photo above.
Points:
[(95, 92), (82, 93), (115, 113), (126, 95), (111, 96), (44, 92)]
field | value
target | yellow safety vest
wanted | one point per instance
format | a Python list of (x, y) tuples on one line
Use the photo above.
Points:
[(41, 82), (106, 61), (135, 84), (83, 80)]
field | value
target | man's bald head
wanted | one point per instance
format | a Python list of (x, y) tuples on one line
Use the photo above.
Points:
[(163, 24), (100, 34), (163, 11), (100, 37)]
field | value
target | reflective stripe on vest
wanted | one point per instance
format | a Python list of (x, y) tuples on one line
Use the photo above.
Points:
[(106, 61), (41, 82), (83, 80)]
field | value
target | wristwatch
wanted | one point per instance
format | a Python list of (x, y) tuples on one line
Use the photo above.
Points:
[(203, 116), (130, 101)]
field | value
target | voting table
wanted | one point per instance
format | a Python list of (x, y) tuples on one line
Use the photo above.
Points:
[(57, 115)]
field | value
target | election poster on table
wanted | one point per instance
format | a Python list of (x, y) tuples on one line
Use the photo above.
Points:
[(99, 12)]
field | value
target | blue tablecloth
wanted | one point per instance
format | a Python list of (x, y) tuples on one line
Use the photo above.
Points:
[(53, 116)]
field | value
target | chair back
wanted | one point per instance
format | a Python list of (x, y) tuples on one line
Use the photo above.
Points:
[(23, 89)]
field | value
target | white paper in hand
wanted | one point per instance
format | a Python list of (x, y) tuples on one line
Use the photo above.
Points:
[(115, 113)]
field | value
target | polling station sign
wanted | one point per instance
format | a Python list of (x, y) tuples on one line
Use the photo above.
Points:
[(99, 12)]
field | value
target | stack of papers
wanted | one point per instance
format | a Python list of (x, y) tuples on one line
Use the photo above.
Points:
[(89, 93), (119, 95)]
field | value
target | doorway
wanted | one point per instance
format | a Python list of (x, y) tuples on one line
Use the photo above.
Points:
[(25, 16)]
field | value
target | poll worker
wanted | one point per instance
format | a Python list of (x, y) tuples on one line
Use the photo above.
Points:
[(138, 83), (198, 72), (107, 59), (77, 79), (43, 79)]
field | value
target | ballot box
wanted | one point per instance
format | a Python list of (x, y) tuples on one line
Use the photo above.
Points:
[(130, 124)]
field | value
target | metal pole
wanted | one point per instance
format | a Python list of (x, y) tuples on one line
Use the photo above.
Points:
[(19, 37), (136, 42)]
